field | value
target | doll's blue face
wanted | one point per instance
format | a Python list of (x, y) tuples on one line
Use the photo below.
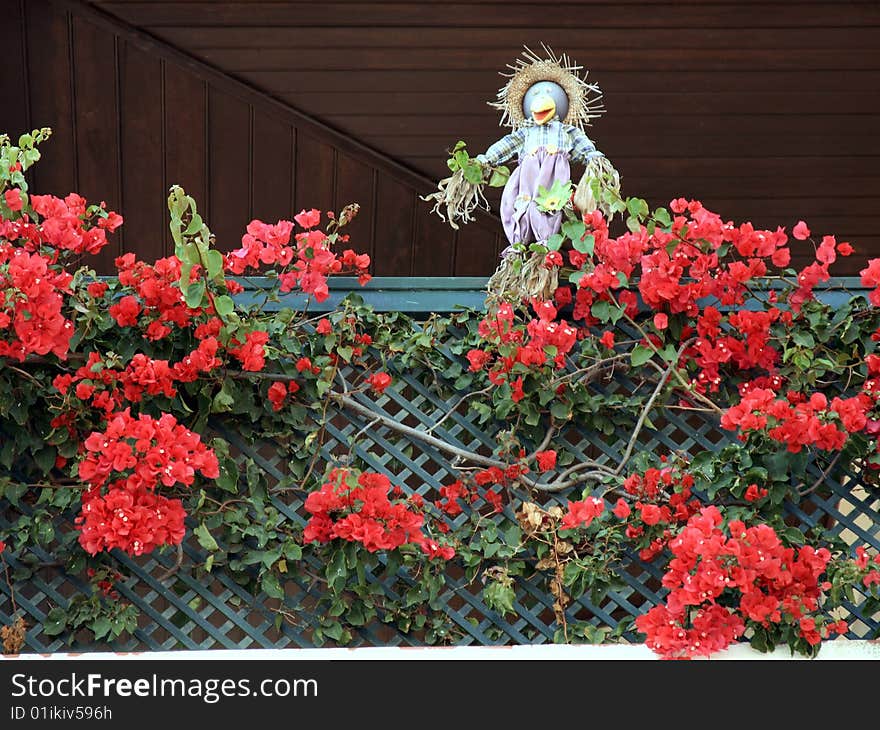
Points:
[(545, 100)]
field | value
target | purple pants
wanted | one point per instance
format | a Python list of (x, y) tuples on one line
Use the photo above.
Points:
[(522, 221)]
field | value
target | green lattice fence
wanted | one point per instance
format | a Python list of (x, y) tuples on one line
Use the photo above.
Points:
[(182, 612)]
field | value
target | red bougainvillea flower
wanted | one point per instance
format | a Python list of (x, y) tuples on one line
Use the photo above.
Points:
[(379, 382), (800, 231), (251, 353), (622, 509), (126, 311), (97, 289), (546, 460), (156, 450), (356, 508), (750, 570), (142, 453), (308, 218), (554, 258), (277, 395), (130, 517), (13, 199), (582, 513), (754, 493), (2, 546)]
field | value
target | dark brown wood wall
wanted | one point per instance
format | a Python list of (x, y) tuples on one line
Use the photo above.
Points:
[(130, 118), (765, 110)]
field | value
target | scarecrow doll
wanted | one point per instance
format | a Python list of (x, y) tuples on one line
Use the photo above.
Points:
[(547, 104)]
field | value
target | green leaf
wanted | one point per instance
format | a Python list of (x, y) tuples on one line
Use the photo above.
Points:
[(637, 207), (272, 586), (337, 572), (214, 264), (554, 243), (195, 225), (334, 630), (804, 339), (585, 246), (640, 355), (55, 622), (561, 410), (224, 399), (574, 230), (499, 597), (224, 305), (669, 353), (606, 311), (101, 626), (205, 538), (554, 199), (661, 215), (499, 177), (195, 293), (473, 174), (189, 254)]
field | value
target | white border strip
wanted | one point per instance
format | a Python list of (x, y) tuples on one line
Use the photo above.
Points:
[(833, 650)]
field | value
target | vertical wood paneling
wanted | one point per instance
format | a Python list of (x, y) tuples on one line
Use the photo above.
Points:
[(97, 141), (185, 131), (394, 229), (315, 174), (475, 249), (13, 74), (771, 81), (143, 182), (354, 184), (50, 78), (229, 168), (272, 164), (434, 241)]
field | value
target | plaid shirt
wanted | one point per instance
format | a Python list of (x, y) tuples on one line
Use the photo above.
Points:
[(531, 136)]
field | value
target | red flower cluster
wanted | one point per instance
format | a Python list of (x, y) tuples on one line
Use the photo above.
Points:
[(871, 277), (107, 388), (251, 353), (582, 513), (379, 382), (663, 500), (33, 284), (721, 579), (680, 271), (159, 299), (306, 264), (32, 295), (130, 517), (145, 453), (66, 225), (357, 508), (458, 490), (542, 341), (546, 460), (279, 391), (154, 450), (746, 346), (798, 421)]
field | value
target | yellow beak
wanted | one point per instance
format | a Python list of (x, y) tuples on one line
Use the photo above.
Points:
[(543, 109)]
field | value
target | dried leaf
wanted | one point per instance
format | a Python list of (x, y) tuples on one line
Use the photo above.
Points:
[(13, 636)]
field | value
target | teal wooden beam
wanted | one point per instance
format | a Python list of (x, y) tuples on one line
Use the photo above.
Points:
[(427, 294)]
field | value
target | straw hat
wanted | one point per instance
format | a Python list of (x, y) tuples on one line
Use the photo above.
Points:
[(584, 103)]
